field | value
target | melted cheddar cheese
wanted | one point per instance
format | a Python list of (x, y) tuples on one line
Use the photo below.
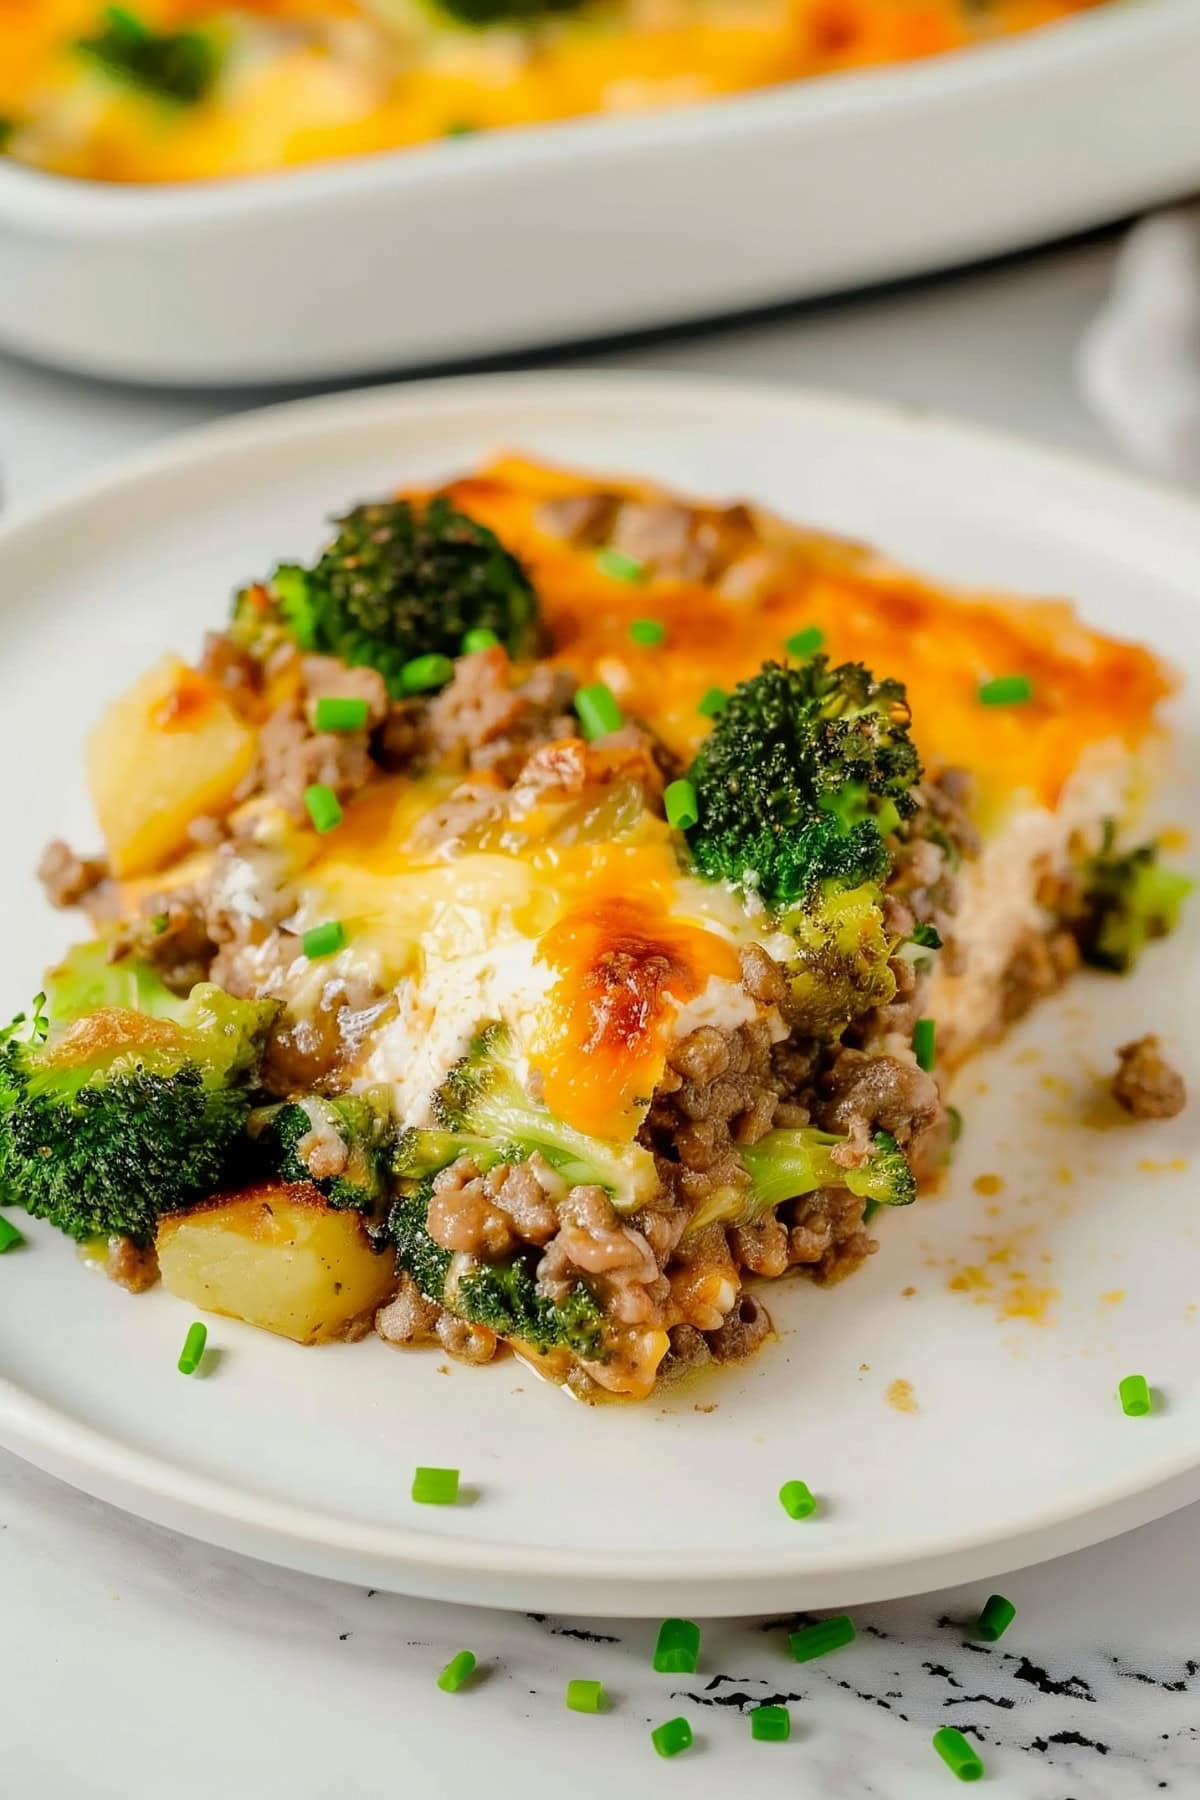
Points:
[(304, 81)]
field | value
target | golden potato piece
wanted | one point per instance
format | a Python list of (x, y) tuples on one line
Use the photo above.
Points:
[(278, 1256), (168, 751)]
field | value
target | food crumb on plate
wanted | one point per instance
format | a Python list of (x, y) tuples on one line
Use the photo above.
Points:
[(900, 1396)]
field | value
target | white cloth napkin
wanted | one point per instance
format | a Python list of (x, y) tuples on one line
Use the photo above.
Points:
[(1139, 360)]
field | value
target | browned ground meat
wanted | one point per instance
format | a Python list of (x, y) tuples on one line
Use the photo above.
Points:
[(488, 1215), (67, 877), (485, 720), (1145, 1084), (238, 673), (613, 1257), (129, 1266), (172, 934), (826, 1239), (325, 678), (1039, 964), (671, 540), (745, 1330), (408, 1320), (292, 757)]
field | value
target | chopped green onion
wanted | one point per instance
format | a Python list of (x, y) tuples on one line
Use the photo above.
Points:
[(619, 567), (870, 1208), (924, 1043), (957, 1754), (683, 809), (648, 632), (480, 637), (159, 922), (1006, 690), (460, 129), (678, 1648), (333, 713), (598, 710), (193, 1348), (456, 1671), (713, 703), (671, 1738), (424, 673), (323, 807), (956, 1123), (819, 1640), (805, 642), (770, 1724), (323, 940), (1135, 1396), (585, 1696), (10, 1237), (797, 1500), (927, 936), (435, 1487), (995, 1619)]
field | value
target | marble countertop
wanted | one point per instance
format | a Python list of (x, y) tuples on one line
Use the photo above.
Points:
[(135, 1664)]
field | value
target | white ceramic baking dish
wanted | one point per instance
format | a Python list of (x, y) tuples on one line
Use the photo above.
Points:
[(476, 246)]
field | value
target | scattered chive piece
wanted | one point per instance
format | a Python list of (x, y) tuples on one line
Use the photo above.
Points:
[(671, 1738), (460, 129), (618, 566), (797, 1500), (927, 936), (713, 703), (323, 807), (1135, 1396), (324, 939), (435, 1487), (995, 1619), (480, 637), (585, 1696), (648, 632), (770, 1724), (193, 1348), (10, 1237), (924, 1043), (159, 923), (805, 642), (678, 1648), (424, 673), (336, 714), (819, 1640), (456, 1671), (1006, 690), (870, 1208), (957, 1754), (598, 710), (956, 1123), (683, 809)]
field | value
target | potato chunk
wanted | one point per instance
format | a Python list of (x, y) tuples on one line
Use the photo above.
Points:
[(168, 751), (278, 1256)]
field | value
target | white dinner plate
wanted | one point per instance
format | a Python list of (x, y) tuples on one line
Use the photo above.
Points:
[(508, 240), (1009, 1316)]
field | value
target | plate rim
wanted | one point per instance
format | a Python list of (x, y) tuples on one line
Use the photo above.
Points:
[(99, 1463)]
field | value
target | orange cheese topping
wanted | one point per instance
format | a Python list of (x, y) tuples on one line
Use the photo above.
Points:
[(1087, 688), (623, 965), (350, 78)]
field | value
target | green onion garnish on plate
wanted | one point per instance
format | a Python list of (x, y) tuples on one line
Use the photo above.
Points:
[(585, 1696), (10, 1237), (598, 710), (818, 1640), (193, 1348), (435, 1487), (678, 1648), (995, 1619), (1006, 690), (671, 1738), (456, 1671), (323, 807), (797, 1500), (959, 1756), (1135, 1395)]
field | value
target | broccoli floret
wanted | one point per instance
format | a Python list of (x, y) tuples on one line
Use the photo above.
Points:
[(501, 1295), (397, 582), (300, 1136), (796, 1160), (842, 962), (1128, 899), (113, 1112), (483, 1108), (793, 779), (172, 65)]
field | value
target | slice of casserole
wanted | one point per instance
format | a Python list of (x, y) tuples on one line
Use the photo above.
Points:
[(558, 906)]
